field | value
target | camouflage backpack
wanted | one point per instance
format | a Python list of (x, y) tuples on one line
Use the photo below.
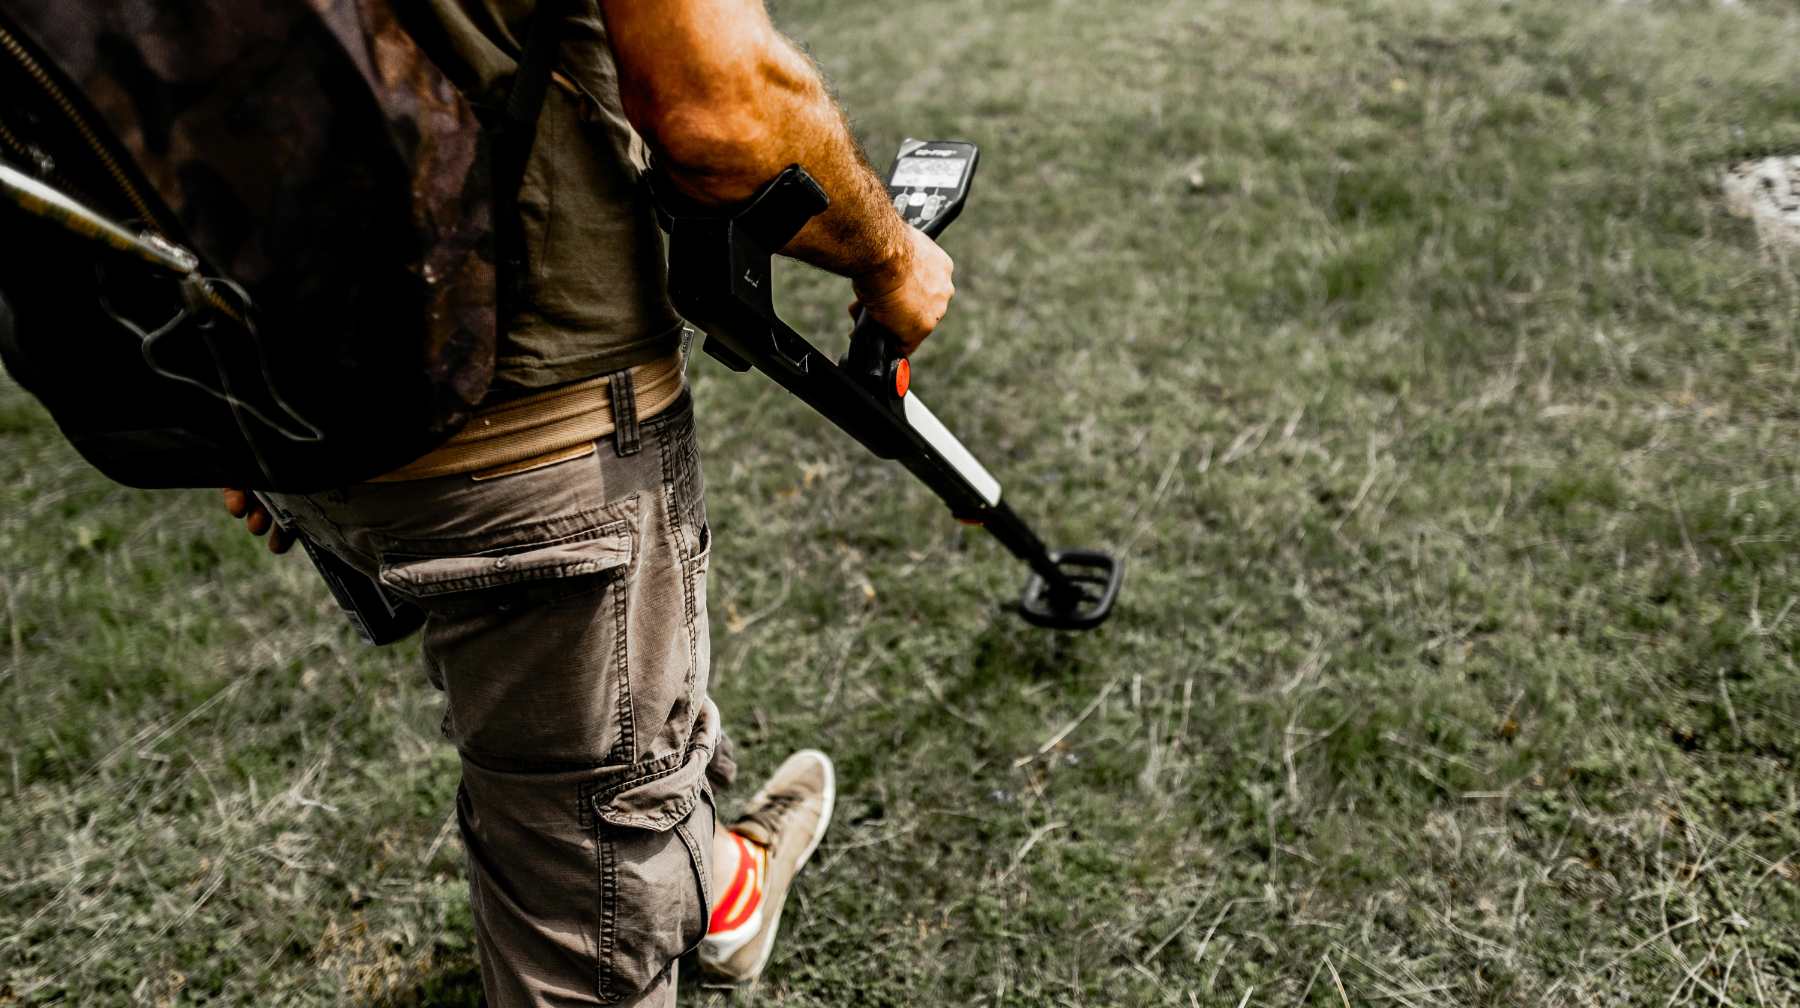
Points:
[(251, 242)]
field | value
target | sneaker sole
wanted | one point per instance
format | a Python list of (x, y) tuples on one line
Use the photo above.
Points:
[(768, 939)]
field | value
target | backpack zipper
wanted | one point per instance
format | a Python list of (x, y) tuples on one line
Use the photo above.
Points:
[(120, 177), (62, 102)]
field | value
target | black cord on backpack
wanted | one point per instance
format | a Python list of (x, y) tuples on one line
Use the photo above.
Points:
[(226, 393)]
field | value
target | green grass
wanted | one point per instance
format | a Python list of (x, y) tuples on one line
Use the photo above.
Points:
[(1449, 430)]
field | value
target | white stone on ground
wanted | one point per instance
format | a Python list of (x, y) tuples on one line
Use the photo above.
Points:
[(1768, 192)]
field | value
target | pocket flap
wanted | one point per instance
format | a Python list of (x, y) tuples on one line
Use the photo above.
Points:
[(659, 794), (426, 576)]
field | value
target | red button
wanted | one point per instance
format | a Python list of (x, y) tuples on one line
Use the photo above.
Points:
[(902, 377)]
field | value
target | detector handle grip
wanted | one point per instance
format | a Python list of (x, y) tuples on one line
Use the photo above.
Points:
[(875, 361), (874, 356)]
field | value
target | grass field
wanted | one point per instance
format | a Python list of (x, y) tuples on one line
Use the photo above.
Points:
[(1405, 349)]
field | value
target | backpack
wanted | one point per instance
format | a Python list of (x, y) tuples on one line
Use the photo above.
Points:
[(335, 198)]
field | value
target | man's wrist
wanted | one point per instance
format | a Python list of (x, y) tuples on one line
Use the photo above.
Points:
[(898, 261)]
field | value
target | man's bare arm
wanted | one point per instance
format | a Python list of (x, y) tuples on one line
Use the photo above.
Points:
[(727, 102)]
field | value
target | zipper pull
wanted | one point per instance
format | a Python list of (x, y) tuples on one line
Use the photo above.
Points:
[(52, 204), (171, 254), (41, 159)]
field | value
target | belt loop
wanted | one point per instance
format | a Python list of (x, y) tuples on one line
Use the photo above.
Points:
[(623, 393)]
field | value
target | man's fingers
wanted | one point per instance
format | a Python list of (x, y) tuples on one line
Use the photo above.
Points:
[(243, 504), (910, 301), (907, 346)]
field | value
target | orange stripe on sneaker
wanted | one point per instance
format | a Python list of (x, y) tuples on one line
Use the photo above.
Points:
[(744, 895), (733, 892), (751, 899)]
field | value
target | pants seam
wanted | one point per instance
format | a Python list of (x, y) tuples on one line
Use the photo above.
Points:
[(689, 607), (701, 875), (626, 748), (609, 908)]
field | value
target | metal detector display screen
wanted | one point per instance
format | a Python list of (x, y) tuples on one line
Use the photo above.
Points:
[(929, 173)]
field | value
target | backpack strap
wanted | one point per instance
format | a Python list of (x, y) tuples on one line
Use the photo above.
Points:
[(512, 140)]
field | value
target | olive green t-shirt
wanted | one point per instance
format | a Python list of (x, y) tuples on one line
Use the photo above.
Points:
[(595, 298)]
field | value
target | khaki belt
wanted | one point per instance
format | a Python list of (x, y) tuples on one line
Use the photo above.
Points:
[(545, 428)]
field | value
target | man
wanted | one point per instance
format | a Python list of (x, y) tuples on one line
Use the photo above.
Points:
[(559, 543)]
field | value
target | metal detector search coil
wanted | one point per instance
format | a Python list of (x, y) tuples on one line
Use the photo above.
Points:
[(719, 280)]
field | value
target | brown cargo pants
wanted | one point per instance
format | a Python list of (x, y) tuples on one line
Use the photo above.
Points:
[(567, 627)]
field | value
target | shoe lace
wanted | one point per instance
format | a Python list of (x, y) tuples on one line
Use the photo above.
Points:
[(770, 814)]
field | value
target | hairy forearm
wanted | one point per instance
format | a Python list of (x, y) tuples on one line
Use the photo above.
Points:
[(731, 120)]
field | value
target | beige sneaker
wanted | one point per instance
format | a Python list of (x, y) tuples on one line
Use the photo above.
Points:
[(785, 821)]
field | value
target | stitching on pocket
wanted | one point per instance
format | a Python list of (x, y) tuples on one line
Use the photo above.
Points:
[(625, 750), (592, 551), (607, 981), (606, 942), (600, 800), (687, 839), (701, 875), (546, 530), (595, 799)]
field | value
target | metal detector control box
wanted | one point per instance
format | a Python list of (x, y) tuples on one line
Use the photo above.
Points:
[(719, 279), (929, 182)]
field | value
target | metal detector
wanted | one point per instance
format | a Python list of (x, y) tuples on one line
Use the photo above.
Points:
[(719, 279)]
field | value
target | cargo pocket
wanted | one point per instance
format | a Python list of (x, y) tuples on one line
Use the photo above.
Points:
[(652, 840), (590, 552)]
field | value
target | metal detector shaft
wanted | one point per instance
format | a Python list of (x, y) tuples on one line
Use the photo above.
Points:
[(720, 280)]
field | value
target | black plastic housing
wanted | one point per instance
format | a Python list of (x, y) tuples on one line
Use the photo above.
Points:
[(719, 279)]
